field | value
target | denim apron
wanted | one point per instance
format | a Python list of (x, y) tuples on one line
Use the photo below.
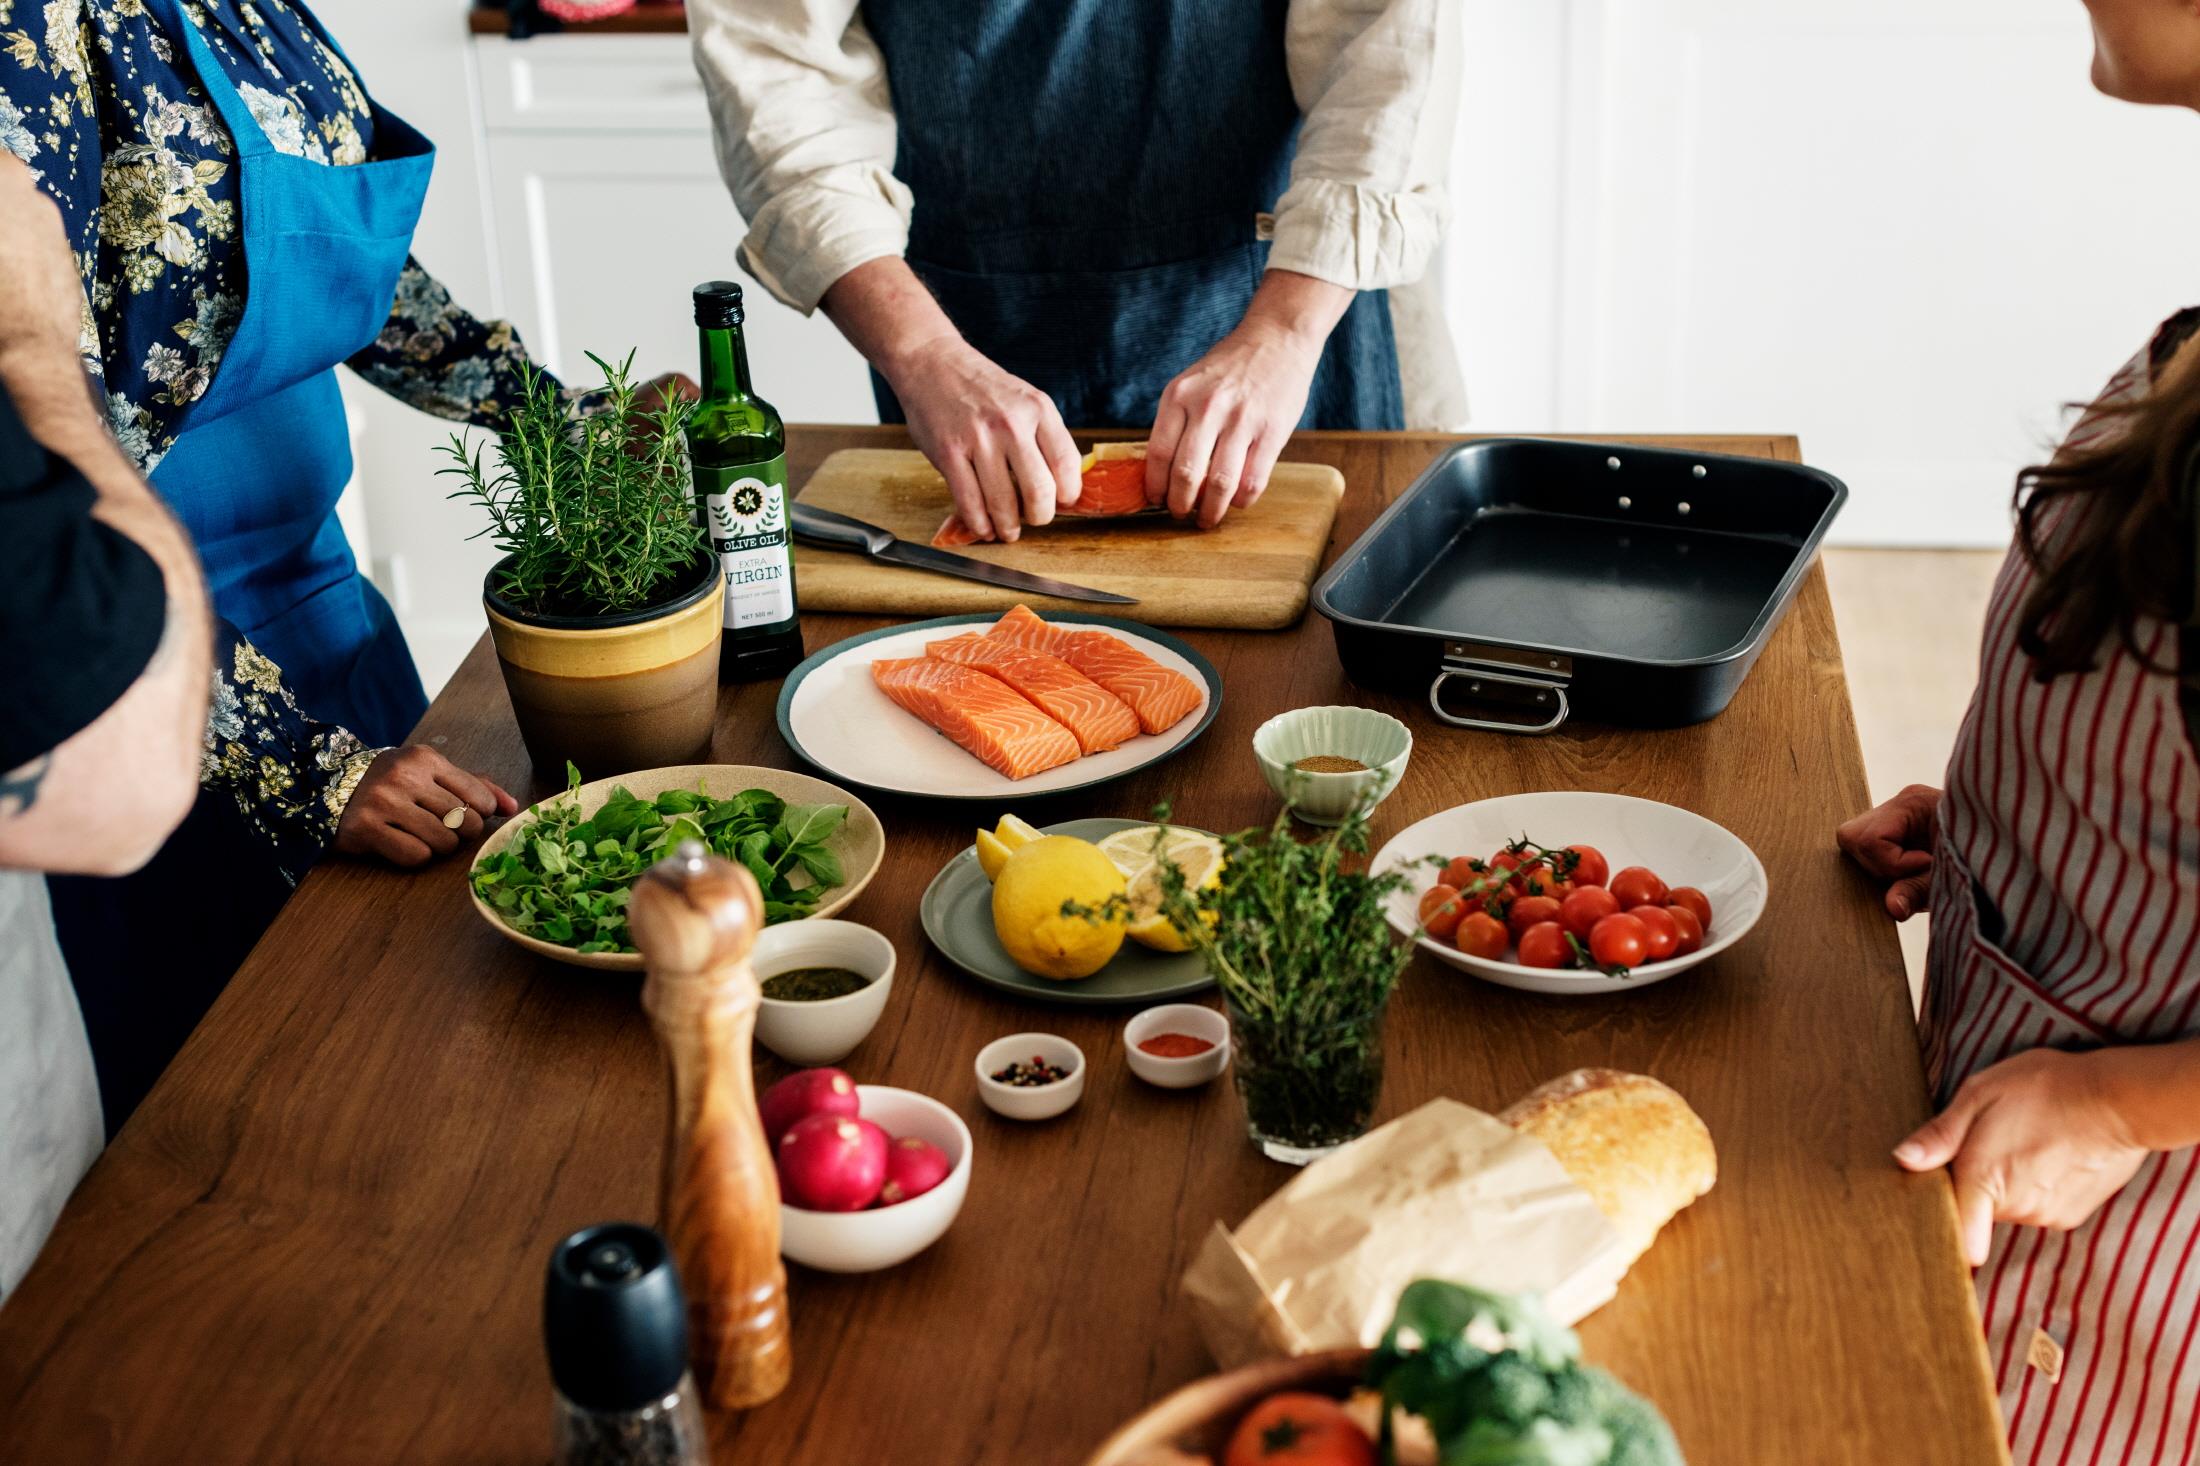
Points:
[(1089, 179), (254, 477), (262, 458)]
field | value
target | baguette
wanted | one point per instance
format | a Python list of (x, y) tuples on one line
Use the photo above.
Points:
[(1633, 1144)]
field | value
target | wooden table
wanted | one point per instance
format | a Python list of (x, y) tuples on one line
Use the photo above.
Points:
[(322, 1238)]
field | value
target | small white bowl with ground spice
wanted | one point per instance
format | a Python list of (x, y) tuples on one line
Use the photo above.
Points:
[(1327, 762), (1030, 1076), (1177, 1045)]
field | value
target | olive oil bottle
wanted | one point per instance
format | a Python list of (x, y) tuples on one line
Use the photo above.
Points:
[(738, 448)]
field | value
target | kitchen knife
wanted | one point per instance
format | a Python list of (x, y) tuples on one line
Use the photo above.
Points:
[(816, 526)]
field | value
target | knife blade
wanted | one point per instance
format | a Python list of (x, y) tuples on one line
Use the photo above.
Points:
[(839, 532)]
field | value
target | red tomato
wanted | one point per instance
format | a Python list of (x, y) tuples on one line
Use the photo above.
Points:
[(1665, 937), (1637, 886), (1619, 941), (1545, 945), (1695, 901), (1591, 869), (1691, 930), (1298, 1430), (1483, 935), (1461, 873), (1440, 911), (1531, 911), (1580, 912), (1505, 860)]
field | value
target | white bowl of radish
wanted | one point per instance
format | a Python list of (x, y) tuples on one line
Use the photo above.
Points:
[(1673, 847), (854, 1165)]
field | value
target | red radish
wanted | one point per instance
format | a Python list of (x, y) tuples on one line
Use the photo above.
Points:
[(914, 1166), (832, 1163), (805, 1093)]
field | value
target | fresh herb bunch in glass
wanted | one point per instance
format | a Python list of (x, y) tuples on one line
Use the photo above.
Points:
[(592, 513), (1296, 936)]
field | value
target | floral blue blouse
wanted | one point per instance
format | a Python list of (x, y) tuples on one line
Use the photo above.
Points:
[(102, 104)]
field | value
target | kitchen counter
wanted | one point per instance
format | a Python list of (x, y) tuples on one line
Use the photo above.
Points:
[(649, 17), (322, 1238)]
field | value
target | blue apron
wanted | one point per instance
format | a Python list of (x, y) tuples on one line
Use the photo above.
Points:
[(1088, 178), (254, 476), (262, 458)]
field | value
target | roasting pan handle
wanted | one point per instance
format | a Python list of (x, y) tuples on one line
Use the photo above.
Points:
[(1478, 676)]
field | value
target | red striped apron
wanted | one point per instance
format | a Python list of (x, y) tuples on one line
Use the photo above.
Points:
[(2073, 808)]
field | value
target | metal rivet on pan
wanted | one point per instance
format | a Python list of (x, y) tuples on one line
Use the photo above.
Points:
[(1682, 506), (1611, 463), (1554, 666), (1699, 470), (1625, 502)]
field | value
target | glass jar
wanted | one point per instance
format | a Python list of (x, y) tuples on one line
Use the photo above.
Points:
[(1307, 1088)]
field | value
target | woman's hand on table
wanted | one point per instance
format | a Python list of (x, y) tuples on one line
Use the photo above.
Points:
[(2038, 1140), (1225, 419), (401, 810), (1894, 843)]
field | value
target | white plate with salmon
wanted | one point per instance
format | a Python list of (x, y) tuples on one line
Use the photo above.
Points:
[(998, 707)]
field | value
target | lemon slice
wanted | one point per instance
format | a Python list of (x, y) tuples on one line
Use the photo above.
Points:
[(1015, 832), (1002, 841), (1198, 856), (1134, 849)]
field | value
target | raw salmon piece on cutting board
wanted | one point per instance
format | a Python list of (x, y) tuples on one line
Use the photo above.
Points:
[(992, 721), (1160, 696), (1112, 485), (1099, 719)]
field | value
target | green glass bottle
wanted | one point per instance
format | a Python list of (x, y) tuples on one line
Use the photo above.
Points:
[(738, 448)]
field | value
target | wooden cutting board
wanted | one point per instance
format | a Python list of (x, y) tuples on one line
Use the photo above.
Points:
[(1250, 574)]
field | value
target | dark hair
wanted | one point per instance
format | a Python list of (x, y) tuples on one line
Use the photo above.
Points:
[(2123, 546)]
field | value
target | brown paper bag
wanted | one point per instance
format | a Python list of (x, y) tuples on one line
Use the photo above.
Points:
[(1443, 1192)]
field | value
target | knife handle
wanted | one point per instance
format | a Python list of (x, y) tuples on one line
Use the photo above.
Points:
[(823, 527)]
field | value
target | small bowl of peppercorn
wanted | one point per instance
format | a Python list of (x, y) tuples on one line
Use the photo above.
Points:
[(1030, 1076), (1327, 763), (1177, 1045), (825, 985)]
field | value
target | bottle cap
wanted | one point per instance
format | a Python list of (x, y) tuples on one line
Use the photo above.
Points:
[(717, 304), (614, 1318)]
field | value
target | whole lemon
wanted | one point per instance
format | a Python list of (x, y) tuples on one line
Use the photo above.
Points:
[(1027, 908)]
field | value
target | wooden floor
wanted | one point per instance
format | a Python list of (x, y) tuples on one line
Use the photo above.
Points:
[(1909, 623)]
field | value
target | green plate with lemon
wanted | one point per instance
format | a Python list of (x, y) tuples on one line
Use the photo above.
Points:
[(957, 912)]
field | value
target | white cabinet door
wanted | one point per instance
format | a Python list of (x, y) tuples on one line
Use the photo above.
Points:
[(1908, 232)]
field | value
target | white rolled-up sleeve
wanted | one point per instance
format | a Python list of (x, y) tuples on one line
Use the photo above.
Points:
[(1377, 82), (805, 134)]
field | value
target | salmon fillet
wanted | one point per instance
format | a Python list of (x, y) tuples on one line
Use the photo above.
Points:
[(1112, 487), (1099, 719), (1160, 696), (993, 722)]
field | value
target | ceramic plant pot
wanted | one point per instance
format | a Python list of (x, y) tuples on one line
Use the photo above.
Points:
[(637, 690)]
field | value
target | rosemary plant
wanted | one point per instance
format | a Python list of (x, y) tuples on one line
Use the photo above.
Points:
[(592, 513)]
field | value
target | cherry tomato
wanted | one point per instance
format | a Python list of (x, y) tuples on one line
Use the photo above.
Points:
[(1299, 1430), (1694, 900), (1665, 937), (1691, 929), (1462, 872), (1483, 935), (1580, 912), (1545, 945), (1591, 869), (1637, 886), (1530, 911), (1619, 941), (1440, 911), (1505, 860)]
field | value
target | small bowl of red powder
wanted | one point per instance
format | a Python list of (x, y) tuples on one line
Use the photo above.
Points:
[(1177, 1045)]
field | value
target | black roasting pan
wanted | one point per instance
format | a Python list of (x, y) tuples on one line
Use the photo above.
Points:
[(1520, 581)]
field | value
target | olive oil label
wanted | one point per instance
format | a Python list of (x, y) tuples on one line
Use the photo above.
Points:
[(746, 509)]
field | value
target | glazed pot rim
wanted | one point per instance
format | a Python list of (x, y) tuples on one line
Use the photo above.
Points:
[(701, 583)]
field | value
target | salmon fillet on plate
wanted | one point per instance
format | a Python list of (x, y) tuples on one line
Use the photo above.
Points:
[(1097, 717), (993, 722), (1113, 485), (1160, 696)]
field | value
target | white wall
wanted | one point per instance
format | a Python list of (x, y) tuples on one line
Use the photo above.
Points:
[(1905, 231)]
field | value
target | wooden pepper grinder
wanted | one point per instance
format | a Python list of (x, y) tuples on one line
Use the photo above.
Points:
[(695, 918)]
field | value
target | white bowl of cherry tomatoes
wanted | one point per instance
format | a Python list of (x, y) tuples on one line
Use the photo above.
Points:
[(1627, 892)]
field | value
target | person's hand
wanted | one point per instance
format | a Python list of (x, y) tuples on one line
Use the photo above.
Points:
[(2033, 1140), (1224, 419), (398, 811), (1894, 843), (995, 438)]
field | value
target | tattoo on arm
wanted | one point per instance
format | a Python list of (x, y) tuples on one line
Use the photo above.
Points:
[(19, 787)]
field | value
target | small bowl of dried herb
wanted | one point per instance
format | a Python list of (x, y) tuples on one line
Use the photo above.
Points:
[(1330, 763), (825, 985), (1030, 1076)]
